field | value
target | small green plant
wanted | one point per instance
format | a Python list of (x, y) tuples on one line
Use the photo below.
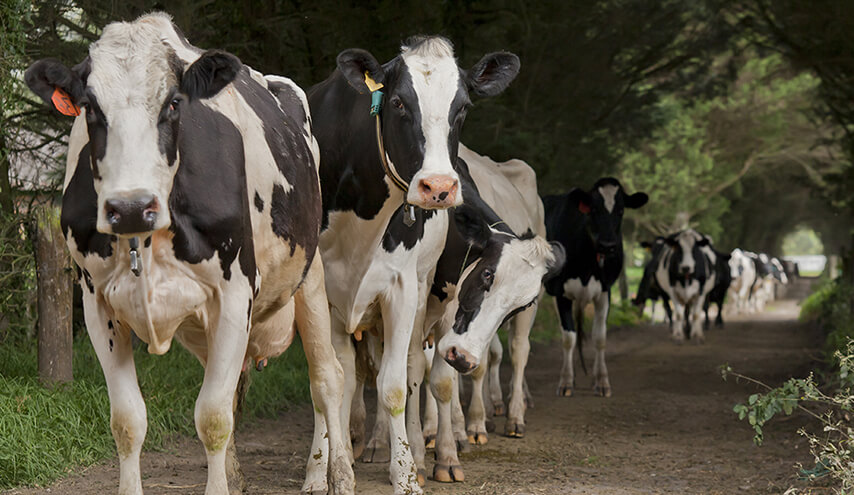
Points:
[(833, 450)]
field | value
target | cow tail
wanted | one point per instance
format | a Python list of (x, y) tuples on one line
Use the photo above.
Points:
[(579, 330)]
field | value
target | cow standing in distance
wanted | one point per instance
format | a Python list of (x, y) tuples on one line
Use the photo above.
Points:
[(723, 279), (384, 226), (686, 272), (743, 274), (648, 288), (589, 226), (192, 208)]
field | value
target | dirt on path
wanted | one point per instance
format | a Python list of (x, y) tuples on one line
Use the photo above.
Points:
[(669, 427)]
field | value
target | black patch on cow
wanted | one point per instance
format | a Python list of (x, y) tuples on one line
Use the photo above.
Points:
[(147, 242), (111, 345), (167, 127), (80, 211), (397, 232), (295, 214), (88, 280), (249, 316), (474, 288), (259, 203), (290, 102), (96, 126), (208, 201), (110, 324)]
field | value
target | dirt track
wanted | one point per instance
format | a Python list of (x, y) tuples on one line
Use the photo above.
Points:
[(669, 427)]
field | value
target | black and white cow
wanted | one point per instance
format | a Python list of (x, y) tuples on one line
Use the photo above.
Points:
[(723, 279), (192, 208), (589, 226), (743, 275), (686, 273), (648, 289), (378, 265)]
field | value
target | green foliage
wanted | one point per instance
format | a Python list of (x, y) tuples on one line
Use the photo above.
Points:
[(17, 280), (44, 433), (830, 306), (833, 449), (802, 241)]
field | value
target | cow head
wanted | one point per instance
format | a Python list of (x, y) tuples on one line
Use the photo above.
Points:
[(603, 208), (130, 91), (505, 278), (686, 247), (737, 261), (425, 104), (778, 272)]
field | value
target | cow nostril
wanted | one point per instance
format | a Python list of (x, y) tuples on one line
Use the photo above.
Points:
[(424, 186), (443, 195)]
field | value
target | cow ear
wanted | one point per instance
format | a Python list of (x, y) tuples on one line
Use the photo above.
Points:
[(670, 241), (581, 200), (211, 72), (354, 63), (636, 200), (57, 85), (646, 245), (472, 226), (493, 73), (703, 242), (554, 267)]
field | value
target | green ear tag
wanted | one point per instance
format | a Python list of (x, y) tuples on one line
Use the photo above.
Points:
[(376, 102)]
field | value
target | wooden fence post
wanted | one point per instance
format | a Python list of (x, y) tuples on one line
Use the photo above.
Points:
[(54, 275)]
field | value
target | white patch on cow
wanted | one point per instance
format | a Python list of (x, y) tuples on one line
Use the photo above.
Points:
[(582, 293), (686, 241), (436, 80), (609, 196)]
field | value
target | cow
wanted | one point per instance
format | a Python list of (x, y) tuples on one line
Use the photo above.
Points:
[(648, 288), (387, 177), (686, 273), (192, 209), (743, 274), (723, 279), (588, 224)]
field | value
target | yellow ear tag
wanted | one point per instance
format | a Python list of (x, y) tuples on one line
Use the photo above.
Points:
[(371, 84)]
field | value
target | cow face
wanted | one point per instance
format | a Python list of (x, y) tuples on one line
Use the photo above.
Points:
[(736, 263), (425, 104), (603, 207), (686, 248), (130, 91), (778, 272), (504, 279)]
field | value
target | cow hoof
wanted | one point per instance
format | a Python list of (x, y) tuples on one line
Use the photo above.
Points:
[(499, 409), (478, 438), (421, 477), (490, 426), (699, 340), (463, 444), (315, 489), (376, 455), (341, 478), (430, 442), (514, 430), (448, 474), (602, 391), (564, 391)]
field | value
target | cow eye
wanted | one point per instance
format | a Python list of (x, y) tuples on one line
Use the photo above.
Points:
[(488, 275), (173, 105), (397, 103)]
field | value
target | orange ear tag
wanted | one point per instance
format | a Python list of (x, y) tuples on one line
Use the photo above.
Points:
[(63, 103), (584, 208)]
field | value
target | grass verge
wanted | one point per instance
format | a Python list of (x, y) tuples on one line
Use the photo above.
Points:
[(47, 433)]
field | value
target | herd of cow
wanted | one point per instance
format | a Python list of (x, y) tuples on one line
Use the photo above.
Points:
[(206, 202)]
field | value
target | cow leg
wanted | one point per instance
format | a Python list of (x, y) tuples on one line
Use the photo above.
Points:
[(706, 323), (458, 419), (416, 363), (677, 322), (377, 450), (431, 413), (496, 353), (214, 416), (601, 384), (358, 417), (128, 420), (568, 338), (668, 312), (696, 328), (447, 468), (719, 319), (476, 424), (399, 314), (520, 347)]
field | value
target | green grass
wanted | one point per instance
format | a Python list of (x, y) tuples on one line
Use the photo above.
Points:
[(45, 434)]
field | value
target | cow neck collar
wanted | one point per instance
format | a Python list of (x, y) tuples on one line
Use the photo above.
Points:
[(388, 168)]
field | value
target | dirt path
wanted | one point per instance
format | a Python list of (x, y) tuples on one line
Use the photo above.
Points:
[(669, 427)]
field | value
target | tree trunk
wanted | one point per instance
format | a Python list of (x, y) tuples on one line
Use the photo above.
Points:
[(53, 272)]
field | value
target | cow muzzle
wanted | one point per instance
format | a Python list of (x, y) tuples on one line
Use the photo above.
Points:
[(136, 215), (438, 191), (461, 360)]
